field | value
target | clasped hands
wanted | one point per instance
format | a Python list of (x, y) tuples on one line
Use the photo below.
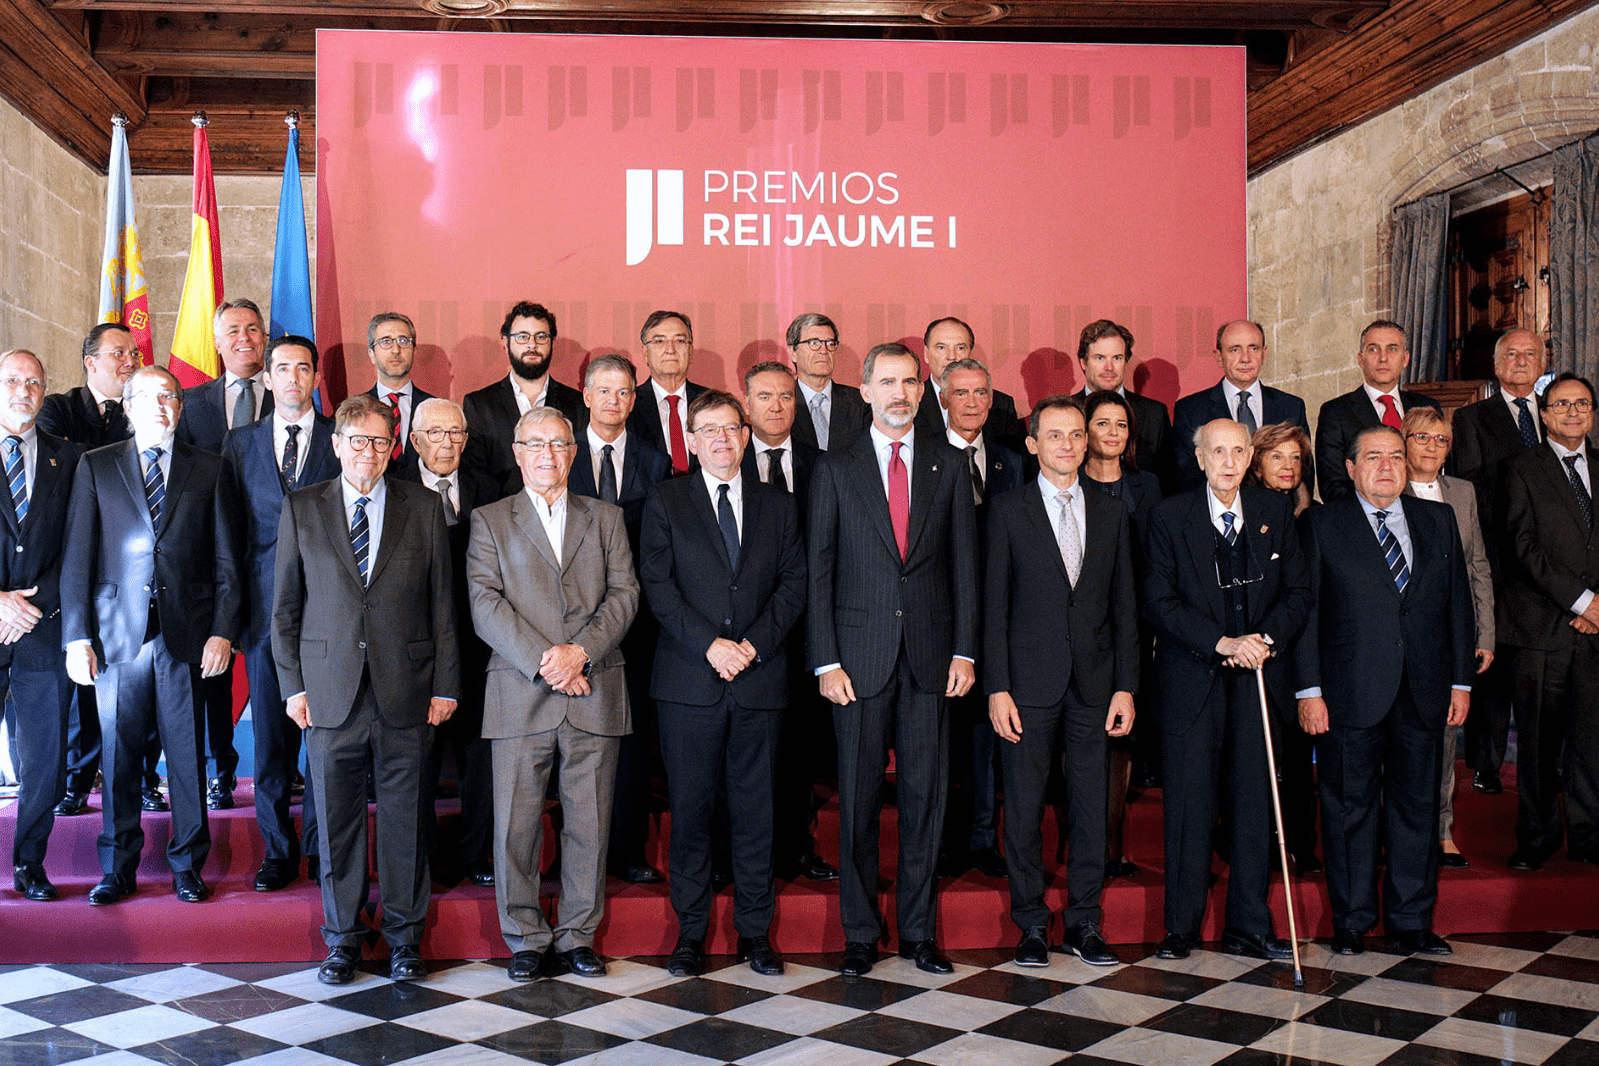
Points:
[(1249, 652)]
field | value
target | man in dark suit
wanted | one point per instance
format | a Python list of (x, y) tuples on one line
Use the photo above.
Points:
[(657, 418), (723, 570), (1105, 353), (1239, 395), (553, 590), (1384, 353), (1385, 662), (943, 342), (33, 519), (289, 449), (528, 334), (1488, 434), (363, 631), (1550, 620), (150, 604), (1045, 690), (969, 835), (391, 345), (834, 414), (1223, 581), (609, 463), (892, 554)]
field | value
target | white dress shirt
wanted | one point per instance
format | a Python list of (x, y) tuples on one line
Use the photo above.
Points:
[(375, 501), (1257, 400), (735, 498), (230, 395), (1515, 412), (1079, 509), (523, 404), (1561, 452), (1374, 395), (406, 399), (785, 461), (1217, 509), (664, 409), (597, 446), (552, 516)]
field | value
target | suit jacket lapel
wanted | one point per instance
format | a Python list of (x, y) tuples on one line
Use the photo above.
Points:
[(711, 526), (1361, 538), (1560, 485), (1038, 514), (394, 520), (868, 480), (1420, 558), (924, 481), (133, 476), (579, 520), (1201, 536), (527, 520)]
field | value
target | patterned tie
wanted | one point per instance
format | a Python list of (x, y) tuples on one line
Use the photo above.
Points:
[(114, 418), (399, 437), (1392, 552), (1246, 415), (291, 459), (608, 474), (17, 476), (243, 405), (899, 500), (1067, 536), (155, 486), (1390, 413), (774, 469), (819, 415), (1228, 533), (451, 516), (1584, 501), (1524, 422), (675, 435), (361, 537), (725, 519), (975, 470)]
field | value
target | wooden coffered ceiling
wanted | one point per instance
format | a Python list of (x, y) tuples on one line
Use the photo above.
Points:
[(1315, 66)]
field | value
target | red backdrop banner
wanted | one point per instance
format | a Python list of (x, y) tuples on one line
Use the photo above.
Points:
[(1027, 189)]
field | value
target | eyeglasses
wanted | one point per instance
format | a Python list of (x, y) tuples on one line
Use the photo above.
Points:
[(678, 341), (817, 344), (438, 433), (554, 447), (712, 432), (1562, 406), (361, 443), (1431, 438), (119, 354), (525, 337), (401, 343)]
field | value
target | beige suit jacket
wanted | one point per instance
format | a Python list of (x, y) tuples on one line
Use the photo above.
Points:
[(1462, 496)]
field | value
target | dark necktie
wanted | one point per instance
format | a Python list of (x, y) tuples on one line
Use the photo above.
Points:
[(361, 537), (243, 405), (1390, 413), (975, 469), (291, 458), (1393, 554), (899, 500), (1246, 415), (155, 486), (608, 474), (399, 436), (1584, 501), (451, 515), (674, 434), (1229, 534), (1524, 422), (17, 476), (113, 418), (725, 519), (774, 469)]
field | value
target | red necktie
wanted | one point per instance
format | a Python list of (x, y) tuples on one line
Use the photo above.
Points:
[(899, 500), (399, 438), (1390, 413), (675, 434)]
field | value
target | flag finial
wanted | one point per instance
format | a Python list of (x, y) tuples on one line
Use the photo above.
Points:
[(292, 120), (120, 118), (200, 121)]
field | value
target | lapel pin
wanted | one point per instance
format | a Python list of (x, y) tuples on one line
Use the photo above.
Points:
[(52, 462), (935, 467), (1263, 529)]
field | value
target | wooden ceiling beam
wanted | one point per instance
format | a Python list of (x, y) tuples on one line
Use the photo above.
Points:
[(243, 140)]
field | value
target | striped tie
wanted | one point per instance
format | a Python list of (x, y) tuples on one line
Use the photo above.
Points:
[(1392, 552), (1228, 531), (361, 536), (155, 486), (17, 476)]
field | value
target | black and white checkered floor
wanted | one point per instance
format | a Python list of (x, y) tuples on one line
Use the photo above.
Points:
[(1515, 998)]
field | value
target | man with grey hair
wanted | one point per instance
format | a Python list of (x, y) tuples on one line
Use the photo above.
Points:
[(553, 591), (832, 417)]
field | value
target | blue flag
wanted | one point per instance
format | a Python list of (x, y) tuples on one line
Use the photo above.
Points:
[(291, 262)]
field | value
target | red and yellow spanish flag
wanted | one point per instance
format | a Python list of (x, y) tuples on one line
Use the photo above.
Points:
[(194, 352), (123, 293)]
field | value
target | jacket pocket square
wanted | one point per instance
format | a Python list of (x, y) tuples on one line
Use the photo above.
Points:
[(1275, 556)]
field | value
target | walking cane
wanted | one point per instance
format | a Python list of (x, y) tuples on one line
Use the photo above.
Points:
[(1277, 810)]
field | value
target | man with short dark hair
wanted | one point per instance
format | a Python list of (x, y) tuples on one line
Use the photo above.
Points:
[(668, 340), (943, 342), (391, 346), (1105, 354), (1379, 401), (834, 415)]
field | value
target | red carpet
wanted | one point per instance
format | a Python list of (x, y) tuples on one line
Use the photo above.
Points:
[(239, 925)]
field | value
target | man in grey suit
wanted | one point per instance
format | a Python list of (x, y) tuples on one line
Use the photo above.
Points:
[(552, 591), (363, 633)]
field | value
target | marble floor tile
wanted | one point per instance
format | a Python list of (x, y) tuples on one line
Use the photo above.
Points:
[(468, 1020), (305, 1023), (792, 1014), (176, 983), (1272, 1002), (975, 1049), (635, 1019), (144, 1025), (1148, 1048), (1493, 1041), (1299, 1041), (1106, 1005), (808, 1051), (1407, 995), (31, 982)]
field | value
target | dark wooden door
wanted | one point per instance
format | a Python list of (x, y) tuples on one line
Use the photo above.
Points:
[(1498, 263)]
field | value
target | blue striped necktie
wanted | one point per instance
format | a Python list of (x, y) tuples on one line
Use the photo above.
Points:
[(17, 476), (361, 537), (1392, 552), (155, 486)]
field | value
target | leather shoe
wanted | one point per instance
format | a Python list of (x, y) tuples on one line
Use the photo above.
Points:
[(405, 963), (990, 863), (111, 889), (1486, 782), (638, 873), (688, 958), (815, 868), (926, 956), (1088, 944), (152, 800), (762, 957), (583, 962), (720, 879), (219, 796), (32, 882), (1452, 860), (1120, 868), (1254, 946), (481, 878), (1176, 946), (1420, 942), (858, 959), (73, 803), (189, 887), (1522, 859), (339, 967), (526, 966), (1348, 942), (1033, 948), (276, 874)]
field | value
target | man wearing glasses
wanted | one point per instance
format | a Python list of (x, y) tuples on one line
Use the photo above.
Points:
[(658, 417), (391, 345), (528, 335), (363, 631), (1224, 582), (833, 416), (552, 591)]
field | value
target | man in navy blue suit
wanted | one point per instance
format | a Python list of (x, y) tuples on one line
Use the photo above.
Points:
[(391, 345), (1384, 353)]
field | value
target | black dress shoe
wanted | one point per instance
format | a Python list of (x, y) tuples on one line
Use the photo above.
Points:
[(688, 958), (1176, 946), (313, 869), (1486, 782), (762, 957), (858, 960), (1254, 946), (720, 879), (952, 863), (219, 796), (1420, 942), (1348, 942), (188, 886), (1088, 943), (276, 874), (583, 962), (637, 873), (1452, 860), (32, 882), (481, 878), (1033, 948), (73, 803), (1522, 859), (526, 966), (990, 863), (405, 963), (1120, 868), (926, 956), (1309, 864), (111, 889), (152, 800), (815, 868), (339, 967)]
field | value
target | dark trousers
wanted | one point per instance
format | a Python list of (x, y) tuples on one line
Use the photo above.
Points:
[(152, 692), (915, 722), (1488, 724), (41, 696), (1079, 729), (969, 814), (462, 735), (630, 806), (277, 756), (1217, 764), (339, 759), (83, 744), (701, 745), (222, 758), (1296, 774), (1381, 782), (805, 755), (1557, 717)]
